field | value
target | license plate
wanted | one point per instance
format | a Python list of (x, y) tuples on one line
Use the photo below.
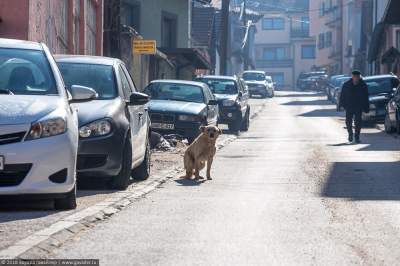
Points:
[(2, 163), (162, 126)]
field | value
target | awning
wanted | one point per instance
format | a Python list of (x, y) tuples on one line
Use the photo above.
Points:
[(376, 41), (187, 57), (391, 15)]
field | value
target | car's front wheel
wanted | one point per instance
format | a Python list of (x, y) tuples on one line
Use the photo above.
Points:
[(142, 172), (121, 181), (234, 126), (388, 124), (68, 202)]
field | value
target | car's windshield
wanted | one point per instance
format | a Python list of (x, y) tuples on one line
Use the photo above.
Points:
[(221, 86), (98, 77), (248, 76), (377, 86), (26, 72), (175, 92)]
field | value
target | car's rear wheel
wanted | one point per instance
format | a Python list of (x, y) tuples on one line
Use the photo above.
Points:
[(246, 121), (142, 172), (388, 124), (121, 181), (68, 202)]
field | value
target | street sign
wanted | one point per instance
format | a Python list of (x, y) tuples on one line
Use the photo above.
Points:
[(144, 47)]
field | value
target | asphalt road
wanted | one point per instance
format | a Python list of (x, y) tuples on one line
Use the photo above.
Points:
[(20, 220), (288, 192)]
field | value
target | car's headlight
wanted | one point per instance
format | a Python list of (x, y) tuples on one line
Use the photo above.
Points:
[(47, 128), (191, 118), (228, 102), (95, 129)]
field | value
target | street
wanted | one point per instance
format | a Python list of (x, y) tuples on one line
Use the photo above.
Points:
[(288, 192)]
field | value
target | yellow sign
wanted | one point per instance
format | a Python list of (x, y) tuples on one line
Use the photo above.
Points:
[(144, 47)]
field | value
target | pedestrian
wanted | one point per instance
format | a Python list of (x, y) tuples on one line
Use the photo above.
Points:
[(354, 99)]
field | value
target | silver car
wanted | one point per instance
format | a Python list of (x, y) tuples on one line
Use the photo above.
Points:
[(38, 126)]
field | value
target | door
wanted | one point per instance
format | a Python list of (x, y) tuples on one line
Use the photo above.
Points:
[(142, 122), (132, 113), (244, 98), (212, 110)]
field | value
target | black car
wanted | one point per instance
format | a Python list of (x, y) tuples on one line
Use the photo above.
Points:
[(312, 80), (333, 84), (115, 128), (181, 107), (392, 118), (380, 90), (233, 100)]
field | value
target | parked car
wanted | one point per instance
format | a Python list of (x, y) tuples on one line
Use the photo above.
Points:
[(331, 85), (233, 100), (38, 126), (392, 117), (259, 83), (312, 80), (337, 89), (181, 107), (114, 129)]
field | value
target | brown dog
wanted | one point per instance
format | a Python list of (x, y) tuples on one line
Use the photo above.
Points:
[(201, 150)]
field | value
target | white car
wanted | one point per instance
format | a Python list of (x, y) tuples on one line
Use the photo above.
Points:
[(259, 83), (38, 126)]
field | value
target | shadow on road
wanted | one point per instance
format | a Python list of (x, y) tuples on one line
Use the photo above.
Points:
[(189, 182), (311, 94), (379, 141), (314, 102), (363, 181), (331, 112)]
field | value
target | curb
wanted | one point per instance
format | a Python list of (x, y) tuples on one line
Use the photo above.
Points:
[(43, 242)]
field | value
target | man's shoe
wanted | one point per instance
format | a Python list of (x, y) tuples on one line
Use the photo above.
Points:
[(350, 138)]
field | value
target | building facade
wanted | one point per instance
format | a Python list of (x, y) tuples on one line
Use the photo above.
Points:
[(284, 47), (66, 26)]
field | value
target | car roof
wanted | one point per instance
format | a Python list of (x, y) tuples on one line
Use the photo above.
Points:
[(86, 59), (379, 77), (20, 44), (219, 77), (254, 71), (184, 82)]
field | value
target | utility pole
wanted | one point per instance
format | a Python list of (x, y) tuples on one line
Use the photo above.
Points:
[(246, 47), (224, 36)]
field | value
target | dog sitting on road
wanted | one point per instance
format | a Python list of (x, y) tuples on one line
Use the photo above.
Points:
[(202, 150)]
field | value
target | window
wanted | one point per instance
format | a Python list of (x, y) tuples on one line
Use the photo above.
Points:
[(305, 24), (308, 51), (328, 39), (130, 15), (125, 83), (321, 41), (169, 31), (278, 77), (273, 24), (175, 92), (95, 76), (276, 53)]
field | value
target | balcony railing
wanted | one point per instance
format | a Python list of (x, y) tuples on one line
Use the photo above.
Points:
[(299, 33), (275, 63)]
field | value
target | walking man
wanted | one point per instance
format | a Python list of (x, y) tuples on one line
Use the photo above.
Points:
[(354, 99)]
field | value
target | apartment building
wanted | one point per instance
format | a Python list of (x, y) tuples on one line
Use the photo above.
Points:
[(326, 20), (283, 45)]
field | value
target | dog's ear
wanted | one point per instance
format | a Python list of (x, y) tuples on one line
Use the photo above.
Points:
[(202, 128)]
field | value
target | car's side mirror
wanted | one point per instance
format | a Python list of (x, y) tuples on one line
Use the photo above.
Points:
[(212, 102), (138, 98), (81, 94)]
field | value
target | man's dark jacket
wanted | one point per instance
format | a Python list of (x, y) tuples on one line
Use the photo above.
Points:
[(354, 98)]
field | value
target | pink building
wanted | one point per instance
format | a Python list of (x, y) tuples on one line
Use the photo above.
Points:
[(66, 26)]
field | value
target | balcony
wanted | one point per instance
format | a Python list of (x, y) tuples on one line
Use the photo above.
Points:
[(275, 63), (299, 33)]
